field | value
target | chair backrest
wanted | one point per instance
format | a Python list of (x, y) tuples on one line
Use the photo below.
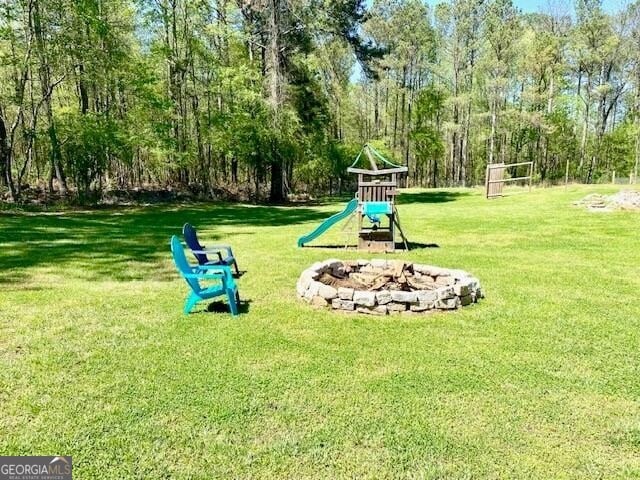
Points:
[(191, 239), (182, 264)]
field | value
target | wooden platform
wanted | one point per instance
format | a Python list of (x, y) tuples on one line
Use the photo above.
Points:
[(376, 241)]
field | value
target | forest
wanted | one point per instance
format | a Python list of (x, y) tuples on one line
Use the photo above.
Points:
[(262, 99)]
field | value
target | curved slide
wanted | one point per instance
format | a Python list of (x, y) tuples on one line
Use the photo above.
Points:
[(329, 222)]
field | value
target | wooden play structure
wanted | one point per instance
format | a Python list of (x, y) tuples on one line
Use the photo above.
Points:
[(495, 177), (373, 207), (377, 214)]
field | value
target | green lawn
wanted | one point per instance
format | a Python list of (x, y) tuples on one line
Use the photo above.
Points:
[(540, 380)]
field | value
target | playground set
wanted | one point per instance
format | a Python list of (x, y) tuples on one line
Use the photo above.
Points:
[(373, 207)]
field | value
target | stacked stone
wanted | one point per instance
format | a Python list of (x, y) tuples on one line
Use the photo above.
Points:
[(451, 289)]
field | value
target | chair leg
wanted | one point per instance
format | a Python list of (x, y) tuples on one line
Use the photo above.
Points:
[(190, 303), (235, 264), (231, 296)]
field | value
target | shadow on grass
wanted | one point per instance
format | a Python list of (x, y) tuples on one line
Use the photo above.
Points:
[(122, 243), (431, 196), (417, 245), (331, 247), (399, 246), (219, 306)]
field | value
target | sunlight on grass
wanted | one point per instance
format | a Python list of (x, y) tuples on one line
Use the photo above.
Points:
[(537, 381)]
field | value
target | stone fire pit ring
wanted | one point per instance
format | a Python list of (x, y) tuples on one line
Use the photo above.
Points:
[(381, 287)]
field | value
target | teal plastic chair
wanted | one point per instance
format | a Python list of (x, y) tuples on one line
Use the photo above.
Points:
[(223, 253), (193, 274)]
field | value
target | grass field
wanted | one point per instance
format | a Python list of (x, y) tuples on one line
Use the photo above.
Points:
[(540, 380)]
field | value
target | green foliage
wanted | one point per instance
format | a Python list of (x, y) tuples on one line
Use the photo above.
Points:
[(243, 95), (90, 142), (619, 149), (326, 170), (426, 136)]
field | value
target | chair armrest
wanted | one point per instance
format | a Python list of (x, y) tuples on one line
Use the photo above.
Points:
[(221, 268), (218, 248), (202, 275), (213, 249)]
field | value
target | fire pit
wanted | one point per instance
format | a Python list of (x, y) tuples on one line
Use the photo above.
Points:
[(386, 286)]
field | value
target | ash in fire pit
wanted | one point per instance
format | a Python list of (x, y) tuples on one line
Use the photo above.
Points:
[(381, 286)]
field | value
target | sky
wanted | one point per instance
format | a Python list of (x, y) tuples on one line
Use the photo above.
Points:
[(537, 5), (610, 6)]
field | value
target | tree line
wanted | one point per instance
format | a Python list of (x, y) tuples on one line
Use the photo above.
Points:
[(261, 98)]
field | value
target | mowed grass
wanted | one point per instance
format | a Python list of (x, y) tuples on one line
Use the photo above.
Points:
[(540, 380)]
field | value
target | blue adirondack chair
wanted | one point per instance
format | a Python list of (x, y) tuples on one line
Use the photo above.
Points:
[(193, 275), (223, 253)]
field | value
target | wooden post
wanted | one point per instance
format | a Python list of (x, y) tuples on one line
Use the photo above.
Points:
[(486, 181), (566, 176), (530, 176), (613, 177)]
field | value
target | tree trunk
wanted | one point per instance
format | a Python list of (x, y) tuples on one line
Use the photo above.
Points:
[(492, 137), (5, 160), (82, 89), (4, 148), (46, 87), (274, 92), (376, 113), (637, 165), (395, 121), (234, 170)]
